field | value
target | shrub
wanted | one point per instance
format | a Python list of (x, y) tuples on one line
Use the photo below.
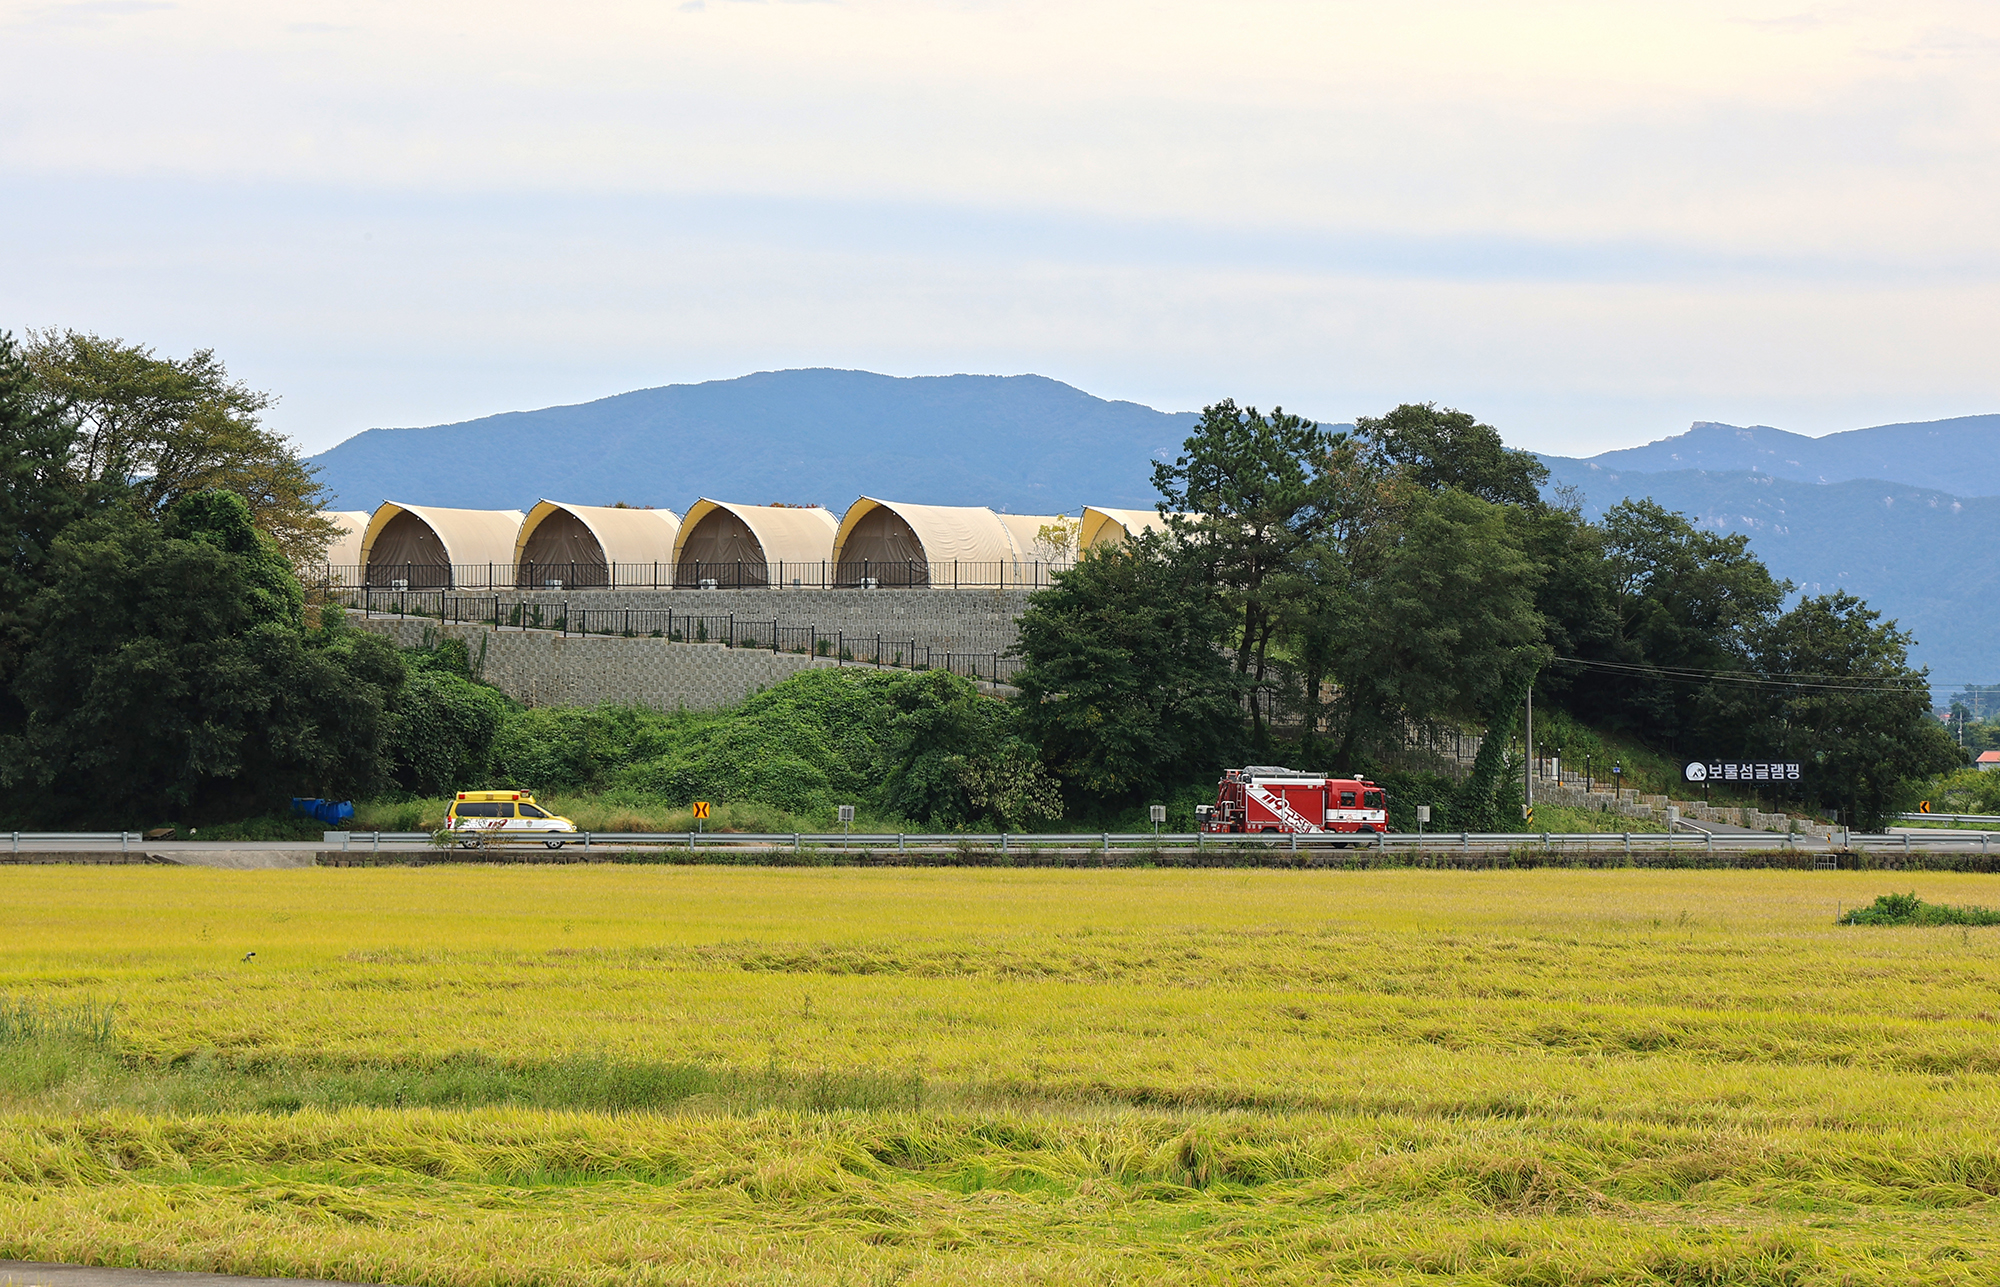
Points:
[(1908, 909)]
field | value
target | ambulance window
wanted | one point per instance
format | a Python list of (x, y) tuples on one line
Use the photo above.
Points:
[(475, 809), (530, 811), (1347, 799), (503, 810), (1374, 799)]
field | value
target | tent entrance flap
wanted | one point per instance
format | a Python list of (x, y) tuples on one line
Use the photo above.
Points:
[(722, 549), (563, 549), (883, 548), (408, 550)]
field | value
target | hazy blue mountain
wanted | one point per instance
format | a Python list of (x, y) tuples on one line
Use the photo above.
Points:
[(1021, 443), (1929, 559), (1960, 456), (1907, 515)]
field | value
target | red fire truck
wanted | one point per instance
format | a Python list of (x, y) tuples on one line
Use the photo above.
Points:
[(1263, 798)]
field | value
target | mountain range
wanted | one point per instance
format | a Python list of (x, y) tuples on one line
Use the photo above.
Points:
[(1905, 515), (1021, 443)]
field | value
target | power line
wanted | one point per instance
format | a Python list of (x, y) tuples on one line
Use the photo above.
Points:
[(1691, 675)]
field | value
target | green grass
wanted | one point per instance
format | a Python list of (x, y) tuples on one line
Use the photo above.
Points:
[(1908, 909)]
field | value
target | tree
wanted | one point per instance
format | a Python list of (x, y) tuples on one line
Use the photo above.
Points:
[(1445, 628), (172, 673), (1122, 687), (1439, 449), (1689, 604), (39, 499), (1833, 691), (948, 758), (172, 428), (1246, 497)]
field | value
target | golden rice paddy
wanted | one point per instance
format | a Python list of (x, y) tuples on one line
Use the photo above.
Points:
[(598, 1074)]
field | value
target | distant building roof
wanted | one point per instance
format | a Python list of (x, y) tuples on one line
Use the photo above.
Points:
[(1988, 757)]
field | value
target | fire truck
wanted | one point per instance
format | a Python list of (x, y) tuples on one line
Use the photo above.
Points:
[(1265, 798)]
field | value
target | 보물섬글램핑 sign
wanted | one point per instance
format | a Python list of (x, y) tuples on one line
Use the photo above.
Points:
[(1738, 771)]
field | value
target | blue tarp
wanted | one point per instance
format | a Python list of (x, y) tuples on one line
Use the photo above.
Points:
[(332, 812)]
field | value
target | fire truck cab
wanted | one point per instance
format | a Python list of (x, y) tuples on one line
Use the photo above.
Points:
[(1265, 798)]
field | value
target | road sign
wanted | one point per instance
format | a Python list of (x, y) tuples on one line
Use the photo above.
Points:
[(1158, 813), (1738, 771), (847, 813), (1923, 806), (701, 810), (1527, 813), (1423, 813)]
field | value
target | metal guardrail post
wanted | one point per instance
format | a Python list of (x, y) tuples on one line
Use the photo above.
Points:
[(1628, 846), (690, 842), (377, 846), (899, 842), (1003, 842), (125, 842)]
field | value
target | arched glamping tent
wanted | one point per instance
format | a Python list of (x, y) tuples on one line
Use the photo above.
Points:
[(888, 543), (570, 545), (1108, 528), (343, 556), (426, 547), (731, 546)]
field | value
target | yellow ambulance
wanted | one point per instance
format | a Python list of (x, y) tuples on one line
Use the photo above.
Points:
[(484, 817)]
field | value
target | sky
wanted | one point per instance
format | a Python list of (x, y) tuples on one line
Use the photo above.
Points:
[(1588, 223)]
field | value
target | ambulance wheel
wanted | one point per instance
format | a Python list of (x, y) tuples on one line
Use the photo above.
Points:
[(553, 844), (468, 844)]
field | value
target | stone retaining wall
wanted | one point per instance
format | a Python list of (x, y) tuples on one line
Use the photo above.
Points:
[(543, 668), (945, 620)]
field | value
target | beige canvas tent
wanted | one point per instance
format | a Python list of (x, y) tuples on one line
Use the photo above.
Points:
[(742, 545), (427, 547), (344, 555), (1112, 527), (573, 545), (1026, 529), (894, 543)]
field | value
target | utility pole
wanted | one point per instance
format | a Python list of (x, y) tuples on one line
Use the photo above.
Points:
[(1528, 765)]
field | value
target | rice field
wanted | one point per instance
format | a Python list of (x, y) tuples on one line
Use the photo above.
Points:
[(585, 1075)]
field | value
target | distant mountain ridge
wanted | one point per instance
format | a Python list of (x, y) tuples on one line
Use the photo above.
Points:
[(1905, 515), (1960, 455), (1023, 443)]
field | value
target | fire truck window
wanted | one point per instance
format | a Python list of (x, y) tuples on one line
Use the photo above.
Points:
[(1347, 799), (1373, 798)]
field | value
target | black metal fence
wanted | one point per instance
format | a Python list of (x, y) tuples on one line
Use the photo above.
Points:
[(730, 630), (862, 574)]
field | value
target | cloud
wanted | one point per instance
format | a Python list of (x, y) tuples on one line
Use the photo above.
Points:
[(1585, 214)]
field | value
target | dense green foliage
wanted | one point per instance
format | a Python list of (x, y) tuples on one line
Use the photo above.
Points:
[(171, 673), (165, 428), (1908, 909), (1123, 689), (1412, 574)]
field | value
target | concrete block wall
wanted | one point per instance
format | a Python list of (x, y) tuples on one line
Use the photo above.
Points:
[(542, 668), (945, 620)]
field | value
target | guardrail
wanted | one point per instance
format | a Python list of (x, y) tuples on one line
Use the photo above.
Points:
[(47, 840), (1108, 841), (1991, 819)]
